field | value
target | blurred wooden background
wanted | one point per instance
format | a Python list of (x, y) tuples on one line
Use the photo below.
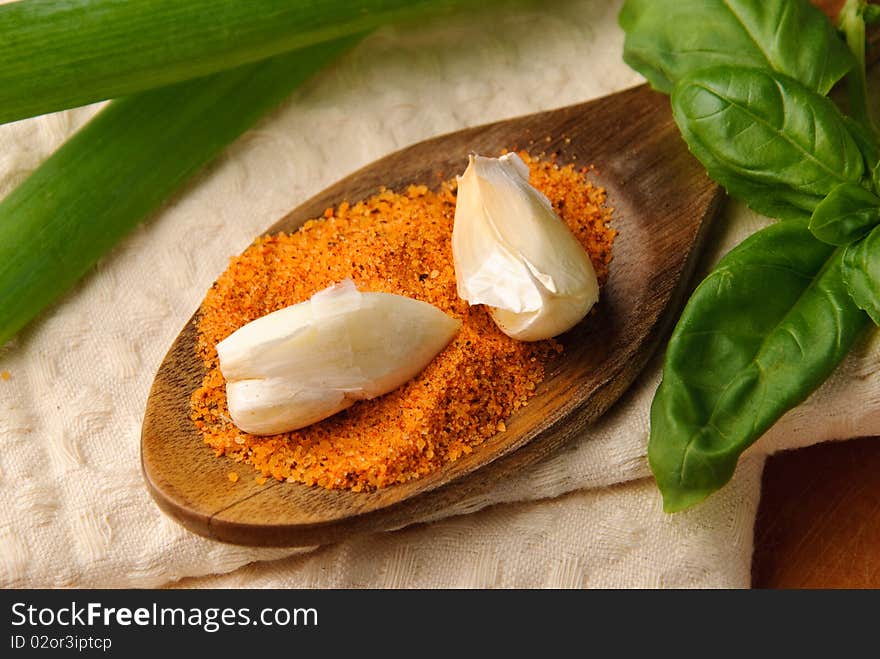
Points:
[(818, 523)]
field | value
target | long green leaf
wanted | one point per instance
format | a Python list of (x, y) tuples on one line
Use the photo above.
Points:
[(120, 167), (667, 40), (768, 139), (763, 330), (56, 54), (861, 273)]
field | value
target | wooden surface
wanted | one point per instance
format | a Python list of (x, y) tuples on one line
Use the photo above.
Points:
[(818, 523), (662, 200)]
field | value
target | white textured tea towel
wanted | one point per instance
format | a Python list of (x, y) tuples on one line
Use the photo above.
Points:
[(74, 510)]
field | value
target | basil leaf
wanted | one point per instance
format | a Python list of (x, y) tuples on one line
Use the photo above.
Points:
[(861, 274), (866, 142), (765, 328), (766, 138), (848, 213), (669, 39)]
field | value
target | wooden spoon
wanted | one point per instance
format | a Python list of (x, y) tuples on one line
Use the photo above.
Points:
[(663, 202)]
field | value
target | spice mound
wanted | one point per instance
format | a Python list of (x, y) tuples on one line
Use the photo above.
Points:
[(393, 242)]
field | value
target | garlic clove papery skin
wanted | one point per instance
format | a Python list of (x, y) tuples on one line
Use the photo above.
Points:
[(514, 254), (301, 364)]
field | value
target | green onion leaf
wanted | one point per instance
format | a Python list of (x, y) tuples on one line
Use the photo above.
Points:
[(121, 166), (848, 213), (64, 53)]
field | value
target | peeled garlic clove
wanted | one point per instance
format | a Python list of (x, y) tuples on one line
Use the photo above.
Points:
[(515, 255), (303, 363)]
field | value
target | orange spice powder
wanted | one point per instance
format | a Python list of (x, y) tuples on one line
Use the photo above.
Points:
[(394, 243)]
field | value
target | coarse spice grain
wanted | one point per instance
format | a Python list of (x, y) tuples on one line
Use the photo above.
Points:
[(393, 242)]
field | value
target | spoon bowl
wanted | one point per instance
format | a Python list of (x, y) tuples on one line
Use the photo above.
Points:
[(663, 203)]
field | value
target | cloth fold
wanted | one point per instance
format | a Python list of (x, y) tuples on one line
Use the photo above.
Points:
[(75, 511)]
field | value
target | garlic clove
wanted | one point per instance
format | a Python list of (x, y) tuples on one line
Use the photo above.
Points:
[(274, 405), (301, 364), (515, 255)]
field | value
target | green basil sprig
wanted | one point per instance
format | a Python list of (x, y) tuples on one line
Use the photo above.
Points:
[(766, 138), (668, 39), (769, 324), (766, 327)]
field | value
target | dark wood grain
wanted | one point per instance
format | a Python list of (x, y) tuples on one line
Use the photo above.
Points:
[(663, 202), (818, 524)]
